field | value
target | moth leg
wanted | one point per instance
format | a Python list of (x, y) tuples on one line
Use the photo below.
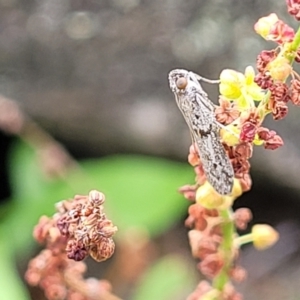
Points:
[(221, 126)]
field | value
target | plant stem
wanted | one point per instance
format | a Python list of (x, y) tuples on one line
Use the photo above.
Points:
[(295, 45), (226, 248)]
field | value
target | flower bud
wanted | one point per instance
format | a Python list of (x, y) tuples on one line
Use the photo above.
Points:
[(211, 265), (238, 274), (242, 216), (273, 143), (295, 91), (193, 157), (279, 110), (195, 237), (294, 8), (249, 74), (257, 141), (208, 197), (235, 193), (230, 135), (248, 132), (97, 198), (280, 68), (264, 24), (273, 29), (264, 236)]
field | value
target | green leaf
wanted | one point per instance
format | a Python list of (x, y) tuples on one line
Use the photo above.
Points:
[(32, 196), (11, 286), (141, 191), (169, 279), (29, 182)]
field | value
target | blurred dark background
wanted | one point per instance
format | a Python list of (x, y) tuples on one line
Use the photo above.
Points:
[(94, 75)]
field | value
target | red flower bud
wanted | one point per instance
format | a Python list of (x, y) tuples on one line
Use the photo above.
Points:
[(273, 143), (248, 132)]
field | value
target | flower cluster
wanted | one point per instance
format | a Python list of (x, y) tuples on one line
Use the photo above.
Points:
[(86, 227), (294, 8), (244, 92), (274, 66), (218, 257), (206, 238), (78, 229), (245, 100), (207, 245)]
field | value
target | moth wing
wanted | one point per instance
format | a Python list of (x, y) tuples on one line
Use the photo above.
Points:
[(199, 115), (216, 164)]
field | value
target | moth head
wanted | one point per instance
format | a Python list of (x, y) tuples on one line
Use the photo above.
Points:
[(178, 80)]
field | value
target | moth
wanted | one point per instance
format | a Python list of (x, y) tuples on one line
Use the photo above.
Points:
[(199, 114)]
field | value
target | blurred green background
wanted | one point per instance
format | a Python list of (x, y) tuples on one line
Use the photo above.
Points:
[(93, 73)]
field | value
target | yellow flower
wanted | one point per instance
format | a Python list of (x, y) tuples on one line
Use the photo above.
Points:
[(240, 87), (251, 88), (264, 25), (273, 29), (230, 135), (257, 141), (210, 199), (231, 83)]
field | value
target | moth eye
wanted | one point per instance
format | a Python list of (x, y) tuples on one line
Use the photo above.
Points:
[(181, 83)]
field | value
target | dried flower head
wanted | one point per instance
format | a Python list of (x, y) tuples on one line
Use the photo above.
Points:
[(294, 8), (86, 227), (227, 112), (242, 217), (273, 29), (78, 229), (295, 91), (280, 92), (264, 58), (211, 265)]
